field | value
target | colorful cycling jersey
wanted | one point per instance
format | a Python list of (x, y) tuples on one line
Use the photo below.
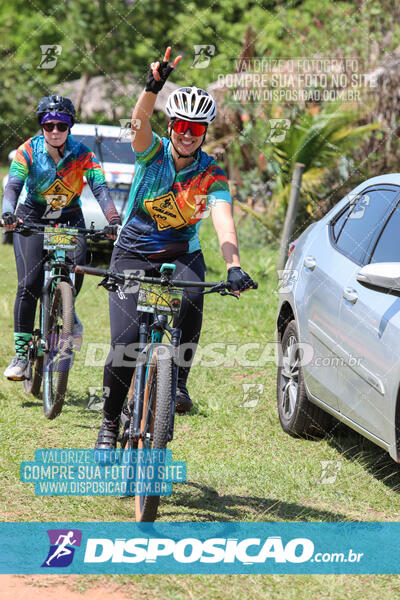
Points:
[(56, 189), (166, 207)]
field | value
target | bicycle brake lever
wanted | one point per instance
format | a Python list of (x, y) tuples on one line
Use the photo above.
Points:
[(24, 232), (225, 293), (221, 289), (216, 288)]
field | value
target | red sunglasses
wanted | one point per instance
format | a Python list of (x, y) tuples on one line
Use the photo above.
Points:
[(180, 126), (48, 126)]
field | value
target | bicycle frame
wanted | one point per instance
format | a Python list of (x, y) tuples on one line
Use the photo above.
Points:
[(151, 332), (56, 269), (59, 283), (156, 328)]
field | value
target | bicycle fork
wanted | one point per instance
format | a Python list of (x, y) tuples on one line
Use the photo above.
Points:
[(135, 405)]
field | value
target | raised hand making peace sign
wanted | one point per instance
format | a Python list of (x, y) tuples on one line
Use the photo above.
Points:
[(159, 72)]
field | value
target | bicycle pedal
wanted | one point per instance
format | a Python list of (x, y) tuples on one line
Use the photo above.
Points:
[(16, 379)]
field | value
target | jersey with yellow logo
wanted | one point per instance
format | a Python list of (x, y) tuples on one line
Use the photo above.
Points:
[(52, 188), (166, 207)]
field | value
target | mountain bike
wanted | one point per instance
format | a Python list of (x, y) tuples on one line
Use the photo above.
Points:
[(51, 348), (149, 414)]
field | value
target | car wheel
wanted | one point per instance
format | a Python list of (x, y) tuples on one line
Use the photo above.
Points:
[(298, 416)]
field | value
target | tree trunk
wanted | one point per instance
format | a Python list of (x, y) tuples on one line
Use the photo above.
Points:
[(85, 78)]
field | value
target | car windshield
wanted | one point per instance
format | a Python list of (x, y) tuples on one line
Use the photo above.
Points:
[(108, 149)]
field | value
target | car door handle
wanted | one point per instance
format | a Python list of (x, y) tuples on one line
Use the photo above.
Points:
[(350, 295), (310, 263)]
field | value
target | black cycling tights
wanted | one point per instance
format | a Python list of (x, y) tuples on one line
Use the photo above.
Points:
[(29, 258), (120, 362)]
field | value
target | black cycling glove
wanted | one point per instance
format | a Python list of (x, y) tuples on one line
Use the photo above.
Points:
[(239, 280), (155, 86), (111, 229), (9, 218)]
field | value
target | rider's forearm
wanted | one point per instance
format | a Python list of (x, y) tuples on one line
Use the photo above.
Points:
[(226, 232), (229, 246), (142, 134), (103, 197), (11, 194), (144, 107)]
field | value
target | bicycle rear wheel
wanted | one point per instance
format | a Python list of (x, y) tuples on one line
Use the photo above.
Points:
[(33, 384), (155, 423), (58, 358)]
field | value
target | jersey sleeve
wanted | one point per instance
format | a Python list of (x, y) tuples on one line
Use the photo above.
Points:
[(218, 189), (95, 177), (18, 173), (152, 153), (22, 161)]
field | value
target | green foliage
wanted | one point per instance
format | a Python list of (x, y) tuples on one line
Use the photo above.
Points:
[(22, 31), (99, 37), (321, 138), (318, 139), (123, 36)]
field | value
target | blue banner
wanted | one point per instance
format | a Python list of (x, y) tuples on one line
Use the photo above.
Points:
[(212, 548)]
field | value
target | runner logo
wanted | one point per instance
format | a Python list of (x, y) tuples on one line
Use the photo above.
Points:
[(50, 56), (62, 542), (278, 130), (202, 55)]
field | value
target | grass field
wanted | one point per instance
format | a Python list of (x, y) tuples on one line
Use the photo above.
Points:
[(240, 464), (3, 170)]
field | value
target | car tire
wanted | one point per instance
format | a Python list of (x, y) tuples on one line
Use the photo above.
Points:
[(298, 416)]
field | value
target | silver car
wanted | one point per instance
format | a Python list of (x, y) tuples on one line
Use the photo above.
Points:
[(338, 323)]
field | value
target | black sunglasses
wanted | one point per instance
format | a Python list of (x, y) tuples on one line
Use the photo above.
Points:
[(59, 126)]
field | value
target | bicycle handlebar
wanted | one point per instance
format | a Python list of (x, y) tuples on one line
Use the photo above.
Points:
[(27, 229), (219, 286), (91, 271)]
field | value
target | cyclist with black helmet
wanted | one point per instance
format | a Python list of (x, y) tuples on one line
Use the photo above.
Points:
[(176, 184), (51, 166)]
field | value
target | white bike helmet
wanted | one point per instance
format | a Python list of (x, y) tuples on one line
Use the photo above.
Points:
[(191, 104)]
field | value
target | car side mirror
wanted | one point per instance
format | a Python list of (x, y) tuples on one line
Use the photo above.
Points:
[(381, 277)]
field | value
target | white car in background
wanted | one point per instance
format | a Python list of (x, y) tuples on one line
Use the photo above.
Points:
[(113, 149), (338, 323)]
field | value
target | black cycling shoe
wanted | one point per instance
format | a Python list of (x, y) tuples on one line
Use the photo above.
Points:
[(183, 402), (108, 434)]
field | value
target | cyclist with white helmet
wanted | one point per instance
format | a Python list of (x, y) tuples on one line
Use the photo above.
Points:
[(52, 167), (176, 184)]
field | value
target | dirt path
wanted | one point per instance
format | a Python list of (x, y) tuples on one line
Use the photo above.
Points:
[(48, 587)]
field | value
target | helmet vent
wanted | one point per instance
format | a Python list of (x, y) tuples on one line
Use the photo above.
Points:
[(192, 104)]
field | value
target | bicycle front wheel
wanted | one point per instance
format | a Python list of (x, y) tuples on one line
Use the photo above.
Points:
[(59, 355), (154, 426)]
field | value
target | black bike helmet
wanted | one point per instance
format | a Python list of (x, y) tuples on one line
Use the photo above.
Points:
[(56, 104)]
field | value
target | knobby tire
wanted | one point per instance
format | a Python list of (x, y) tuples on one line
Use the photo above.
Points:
[(155, 421), (60, 344)]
